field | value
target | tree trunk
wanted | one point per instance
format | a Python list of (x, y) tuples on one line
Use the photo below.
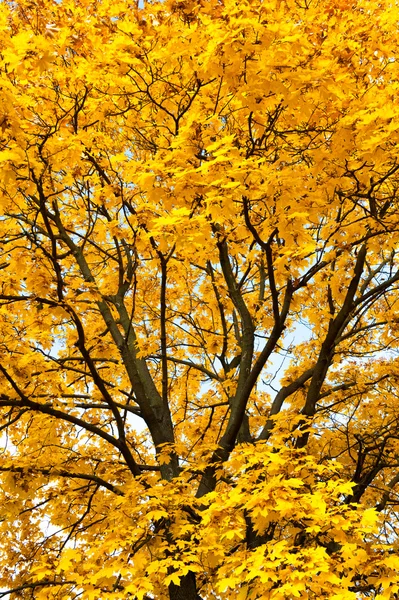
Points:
[(187, 590)]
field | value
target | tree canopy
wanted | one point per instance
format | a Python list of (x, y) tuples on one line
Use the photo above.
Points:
[(199, 293)]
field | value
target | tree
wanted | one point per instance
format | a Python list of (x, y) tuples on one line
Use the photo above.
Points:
[(192, 193)]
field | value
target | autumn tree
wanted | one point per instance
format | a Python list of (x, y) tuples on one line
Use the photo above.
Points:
[(199, 293)]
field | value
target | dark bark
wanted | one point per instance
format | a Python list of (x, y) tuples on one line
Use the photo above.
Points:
[(186, 590), (335, 329)]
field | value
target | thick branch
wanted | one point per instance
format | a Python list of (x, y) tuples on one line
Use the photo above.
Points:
[(106, 395), (64, 473), (385, 498), (33, 585), (244, 387), (192, 365), (278, 401), (335, 329), (47, 409)]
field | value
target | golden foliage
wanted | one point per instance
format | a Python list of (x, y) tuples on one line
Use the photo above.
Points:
[(198, 299)]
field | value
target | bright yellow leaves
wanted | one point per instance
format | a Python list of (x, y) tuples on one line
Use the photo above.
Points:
[(198, 299), (305, 555)]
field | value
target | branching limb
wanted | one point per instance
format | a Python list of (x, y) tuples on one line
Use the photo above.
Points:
[(278, 401), (33, 585), (335, 329), (56, 472)]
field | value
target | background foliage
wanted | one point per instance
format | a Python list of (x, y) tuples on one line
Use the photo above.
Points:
[(185, 189)]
